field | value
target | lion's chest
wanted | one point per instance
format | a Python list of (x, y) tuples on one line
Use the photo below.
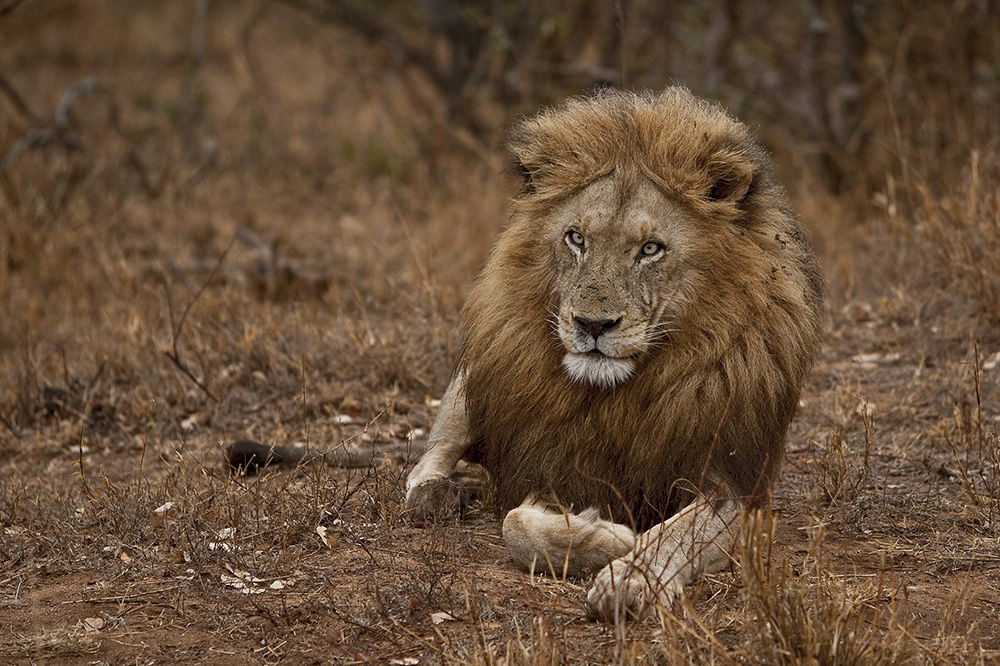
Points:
[(606, 453)]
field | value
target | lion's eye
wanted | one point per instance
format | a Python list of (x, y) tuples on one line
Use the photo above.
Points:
[(650, 248), (574, 238)]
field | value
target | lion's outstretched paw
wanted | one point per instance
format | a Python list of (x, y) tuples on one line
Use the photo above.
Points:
[(620, 590), (436, 498)]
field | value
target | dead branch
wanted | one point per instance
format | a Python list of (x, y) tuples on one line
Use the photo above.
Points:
[(19, 104), (174, 354), (61, 115), (45, 131), (149, 187), (197, 54), (33, 138)]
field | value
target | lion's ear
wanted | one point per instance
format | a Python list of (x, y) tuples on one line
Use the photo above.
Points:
[(730, 180), (517, 168)]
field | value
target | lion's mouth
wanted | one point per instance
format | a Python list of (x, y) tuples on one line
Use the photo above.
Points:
[(598, 354)]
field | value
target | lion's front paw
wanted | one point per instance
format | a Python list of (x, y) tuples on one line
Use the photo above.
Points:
[(436, 498), (618, 592), (621, 590)]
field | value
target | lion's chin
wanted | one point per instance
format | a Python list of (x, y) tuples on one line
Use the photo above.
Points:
[(598, 369)]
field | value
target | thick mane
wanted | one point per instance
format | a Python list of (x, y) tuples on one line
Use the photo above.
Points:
[(689, 147), (712, 404)]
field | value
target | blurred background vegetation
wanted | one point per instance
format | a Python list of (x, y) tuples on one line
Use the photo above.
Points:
[(845, 87), (342, 158)]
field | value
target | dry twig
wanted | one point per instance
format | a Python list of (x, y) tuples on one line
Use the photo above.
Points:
[(174, 354)]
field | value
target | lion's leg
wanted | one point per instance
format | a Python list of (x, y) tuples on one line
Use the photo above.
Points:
[(696, 540), (541, 539), (429, 488)]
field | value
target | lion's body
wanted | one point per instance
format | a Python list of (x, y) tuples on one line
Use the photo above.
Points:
[(640, 334)]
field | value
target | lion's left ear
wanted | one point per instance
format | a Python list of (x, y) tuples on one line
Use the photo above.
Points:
[(730, 179)]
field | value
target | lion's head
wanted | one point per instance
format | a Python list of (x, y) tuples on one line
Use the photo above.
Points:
[(652, 307)]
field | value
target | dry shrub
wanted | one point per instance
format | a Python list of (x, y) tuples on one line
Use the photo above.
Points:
[(975, 447), (794, 614), (838, 473), (99, 524), (958, 227), (806, 615), (536, 645)]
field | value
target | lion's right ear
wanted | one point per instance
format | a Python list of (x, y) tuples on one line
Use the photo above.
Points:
[(523, 163)]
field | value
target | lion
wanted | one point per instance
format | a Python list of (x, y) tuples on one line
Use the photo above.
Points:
[(634, 348)]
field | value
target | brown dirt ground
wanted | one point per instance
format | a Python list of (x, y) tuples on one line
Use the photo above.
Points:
[(369, 597)]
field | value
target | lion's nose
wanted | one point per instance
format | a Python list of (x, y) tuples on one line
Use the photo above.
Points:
[(596, 327)]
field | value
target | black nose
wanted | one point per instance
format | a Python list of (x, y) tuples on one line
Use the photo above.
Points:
[(596, 327)]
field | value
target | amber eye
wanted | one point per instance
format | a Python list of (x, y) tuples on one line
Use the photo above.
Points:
[(651, 248), (574, 238)]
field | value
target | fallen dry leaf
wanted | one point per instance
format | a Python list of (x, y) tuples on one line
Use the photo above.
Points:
[(226, 535), (160, 514), (438, 618), (92, 624), (247, 583)]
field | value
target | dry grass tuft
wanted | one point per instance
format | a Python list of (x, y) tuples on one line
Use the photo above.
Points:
[(839, 476), (976, 454), (806, 614), (52, 644)]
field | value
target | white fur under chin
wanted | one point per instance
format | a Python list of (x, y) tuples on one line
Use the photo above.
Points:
[(598, 369)]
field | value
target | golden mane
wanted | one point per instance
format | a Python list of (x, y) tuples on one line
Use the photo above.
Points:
[(710, 406)]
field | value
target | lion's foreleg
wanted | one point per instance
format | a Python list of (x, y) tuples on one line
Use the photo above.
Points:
[(542, 539), (429, 488), (696, 540)]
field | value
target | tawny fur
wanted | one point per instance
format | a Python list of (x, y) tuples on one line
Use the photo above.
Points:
[(634, 348), (712, 403)]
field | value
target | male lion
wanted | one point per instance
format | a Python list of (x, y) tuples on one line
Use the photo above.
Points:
[(634, 347)]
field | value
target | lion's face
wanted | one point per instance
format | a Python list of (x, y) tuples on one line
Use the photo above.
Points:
[(622, 277)]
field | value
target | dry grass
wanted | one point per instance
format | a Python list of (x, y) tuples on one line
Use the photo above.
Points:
[(274, 242), (807, 614)]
